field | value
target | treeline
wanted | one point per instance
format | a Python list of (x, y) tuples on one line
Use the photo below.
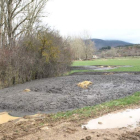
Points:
[(82, 48), (29, 51), (105, 48), (120, 52)]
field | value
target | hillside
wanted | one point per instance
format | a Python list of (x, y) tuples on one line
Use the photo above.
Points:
[(120, 51), (99, 43), (130, 45)]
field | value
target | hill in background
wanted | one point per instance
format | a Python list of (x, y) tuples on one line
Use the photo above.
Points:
[(120, 51), (99, 43)]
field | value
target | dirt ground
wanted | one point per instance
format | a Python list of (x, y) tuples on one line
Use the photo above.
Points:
[(36, 128), (73, 133), (52, 95), (61, 94)]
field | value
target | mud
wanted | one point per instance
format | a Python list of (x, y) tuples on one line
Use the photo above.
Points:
[(97, 67), (62, 93)]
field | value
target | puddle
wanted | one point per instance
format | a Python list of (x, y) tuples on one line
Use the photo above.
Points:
[(129, 118), (5, 117)]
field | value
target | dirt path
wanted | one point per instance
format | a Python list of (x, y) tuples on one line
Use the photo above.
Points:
[(62, 93)]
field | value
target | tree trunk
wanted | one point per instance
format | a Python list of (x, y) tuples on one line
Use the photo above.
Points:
[(1, 22), (10, 36)]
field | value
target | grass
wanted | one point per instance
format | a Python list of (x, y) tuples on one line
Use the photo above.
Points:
[(134, 62), (92, 111)]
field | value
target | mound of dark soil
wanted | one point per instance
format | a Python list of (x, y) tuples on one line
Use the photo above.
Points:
[(62, 93)]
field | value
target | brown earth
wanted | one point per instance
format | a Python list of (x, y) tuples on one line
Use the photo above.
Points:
[(39, 127)]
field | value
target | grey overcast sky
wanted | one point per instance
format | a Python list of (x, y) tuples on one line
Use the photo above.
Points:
[(104, 19)]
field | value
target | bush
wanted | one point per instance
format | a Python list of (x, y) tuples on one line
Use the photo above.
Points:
[(39, 55)]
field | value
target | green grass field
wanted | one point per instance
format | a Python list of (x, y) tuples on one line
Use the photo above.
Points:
[(134, 62)]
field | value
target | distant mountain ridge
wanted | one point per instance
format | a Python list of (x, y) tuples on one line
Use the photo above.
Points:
[(100, 43)]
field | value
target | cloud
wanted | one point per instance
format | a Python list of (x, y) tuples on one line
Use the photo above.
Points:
[(118, 19)]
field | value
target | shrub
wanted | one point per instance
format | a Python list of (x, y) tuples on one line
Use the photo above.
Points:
[(39, 55)]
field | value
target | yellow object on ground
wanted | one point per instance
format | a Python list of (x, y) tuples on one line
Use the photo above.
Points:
[(27, 90), (84, 84), (5, 117)]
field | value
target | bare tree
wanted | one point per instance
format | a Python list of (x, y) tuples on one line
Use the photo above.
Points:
[(82, 47), (89, 47), (77, 46), (18, 16), (2, 7)]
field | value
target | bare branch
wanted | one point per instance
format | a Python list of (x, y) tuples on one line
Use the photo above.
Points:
[(16, 7), (19, 11)]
